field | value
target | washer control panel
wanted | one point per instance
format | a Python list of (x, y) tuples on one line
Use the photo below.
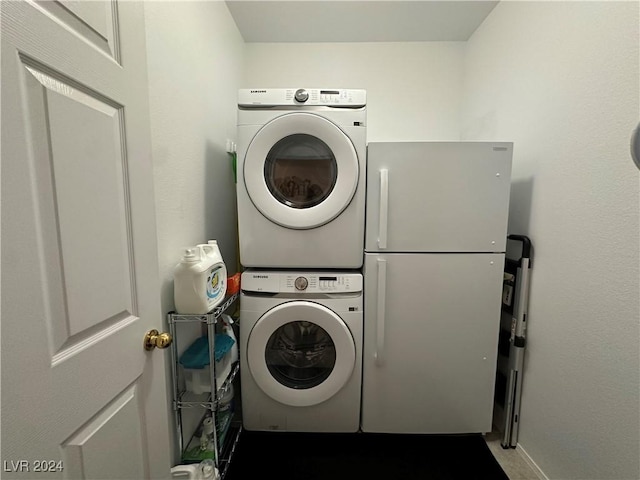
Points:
[(340, 97), (301, 282)]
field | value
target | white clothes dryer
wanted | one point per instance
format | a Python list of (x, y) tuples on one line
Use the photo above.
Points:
[(301, 350), (301, 177)]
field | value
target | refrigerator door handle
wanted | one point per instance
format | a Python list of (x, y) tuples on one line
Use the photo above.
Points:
[(380, 316), (384, 208)]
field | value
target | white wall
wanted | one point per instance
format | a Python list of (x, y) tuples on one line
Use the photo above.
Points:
[(194, 55), (413, 89), (561, 80), (195, 60)]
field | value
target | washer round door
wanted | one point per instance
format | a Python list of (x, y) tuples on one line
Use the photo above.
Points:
[(301, 170), (301, 353)]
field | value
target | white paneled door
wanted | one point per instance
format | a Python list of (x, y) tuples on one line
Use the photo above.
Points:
[(81, 398)]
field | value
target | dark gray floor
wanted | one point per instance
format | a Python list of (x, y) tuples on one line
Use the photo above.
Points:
[(307, 456)]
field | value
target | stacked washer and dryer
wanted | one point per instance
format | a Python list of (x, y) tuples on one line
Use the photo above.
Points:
[(301, 212)]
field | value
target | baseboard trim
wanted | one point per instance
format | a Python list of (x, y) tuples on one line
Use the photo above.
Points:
[(534, 466)]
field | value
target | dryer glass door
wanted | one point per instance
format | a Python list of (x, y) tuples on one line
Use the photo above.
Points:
[(301, 170), (301, 353)]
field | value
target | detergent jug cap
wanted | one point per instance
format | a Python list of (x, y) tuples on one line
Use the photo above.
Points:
[(212, 242), (190, 256)]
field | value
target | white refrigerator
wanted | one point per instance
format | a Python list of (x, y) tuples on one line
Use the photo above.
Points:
[(436, 227)]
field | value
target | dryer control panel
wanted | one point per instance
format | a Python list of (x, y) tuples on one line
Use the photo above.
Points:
[(301, 282), (275, 97)]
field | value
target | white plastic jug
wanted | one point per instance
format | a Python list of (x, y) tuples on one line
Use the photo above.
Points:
[(205, 470), (208, 470), (200, 280), (185, 472)]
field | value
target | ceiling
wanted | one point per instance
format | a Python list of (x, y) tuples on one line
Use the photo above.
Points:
[(358, 21)]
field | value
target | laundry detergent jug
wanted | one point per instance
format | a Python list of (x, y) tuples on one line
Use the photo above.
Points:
[(205, 470), (199, 279)]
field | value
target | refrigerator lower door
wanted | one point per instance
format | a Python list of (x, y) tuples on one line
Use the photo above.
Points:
[(431, 338)]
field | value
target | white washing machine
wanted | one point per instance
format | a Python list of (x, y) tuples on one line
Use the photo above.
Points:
[(301, 177), (301, 351)]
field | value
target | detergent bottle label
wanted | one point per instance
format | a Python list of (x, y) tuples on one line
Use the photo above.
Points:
[(215, 283)]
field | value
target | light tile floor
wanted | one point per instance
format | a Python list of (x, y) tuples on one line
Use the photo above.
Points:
[(513, 464)]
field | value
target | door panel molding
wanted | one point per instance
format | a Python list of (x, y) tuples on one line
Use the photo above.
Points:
[(83, 340), (83, 451), (94, 22), (80, 169)]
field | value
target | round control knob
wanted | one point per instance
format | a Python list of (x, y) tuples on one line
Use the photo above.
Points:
[(301, 283), (302, 95)]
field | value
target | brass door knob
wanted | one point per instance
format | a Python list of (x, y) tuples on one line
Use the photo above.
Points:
[(154, 339)]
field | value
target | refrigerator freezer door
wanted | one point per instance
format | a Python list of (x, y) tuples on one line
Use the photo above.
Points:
[(437, 197), (430, 355)]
